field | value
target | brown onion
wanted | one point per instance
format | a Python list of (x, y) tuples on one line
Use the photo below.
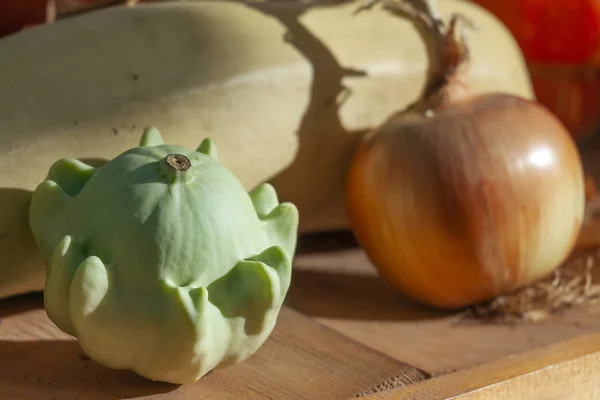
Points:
[(464, 196)]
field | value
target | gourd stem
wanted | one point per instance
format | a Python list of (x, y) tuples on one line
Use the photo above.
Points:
[(176, 168), (178, 162)]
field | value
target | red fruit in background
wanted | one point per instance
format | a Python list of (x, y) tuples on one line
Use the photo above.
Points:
[(565, 31), (559, 30), (17, 14), (560, 40)]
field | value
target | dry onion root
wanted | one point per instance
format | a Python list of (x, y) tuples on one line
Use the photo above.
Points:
[(569, 286), (464, 197)]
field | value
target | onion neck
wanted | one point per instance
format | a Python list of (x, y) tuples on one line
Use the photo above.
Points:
[(447, 50), (445, 83)]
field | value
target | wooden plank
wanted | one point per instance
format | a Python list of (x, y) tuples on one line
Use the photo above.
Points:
[(301, 360), (568, 370), (341, 289)]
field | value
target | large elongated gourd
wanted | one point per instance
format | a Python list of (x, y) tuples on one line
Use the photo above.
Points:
[(285, 92)]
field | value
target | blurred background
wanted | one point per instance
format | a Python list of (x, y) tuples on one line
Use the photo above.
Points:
[(558, 38)]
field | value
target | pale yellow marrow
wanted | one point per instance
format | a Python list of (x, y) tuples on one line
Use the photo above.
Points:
[(266, 85)]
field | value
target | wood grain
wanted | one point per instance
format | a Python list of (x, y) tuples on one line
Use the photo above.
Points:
[(568, 370), (342, 290), (301, 360)]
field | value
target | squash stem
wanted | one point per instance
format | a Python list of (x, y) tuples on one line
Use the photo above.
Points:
[(176, 168), (178, 162)]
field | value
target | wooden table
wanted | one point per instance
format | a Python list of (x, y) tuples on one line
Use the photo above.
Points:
[(344, 333)]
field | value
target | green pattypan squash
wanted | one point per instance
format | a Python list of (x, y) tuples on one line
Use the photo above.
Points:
[(160, 261)]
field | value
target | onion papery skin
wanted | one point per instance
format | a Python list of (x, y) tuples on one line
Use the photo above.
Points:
[(481, 198)]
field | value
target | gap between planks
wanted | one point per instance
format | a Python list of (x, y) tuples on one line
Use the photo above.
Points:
[(337, 286), (567, 370)]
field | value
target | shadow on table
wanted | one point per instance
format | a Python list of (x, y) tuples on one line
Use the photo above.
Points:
[(20, 304), (350, 296), (326, 242), (60, 370), (332, 278)]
